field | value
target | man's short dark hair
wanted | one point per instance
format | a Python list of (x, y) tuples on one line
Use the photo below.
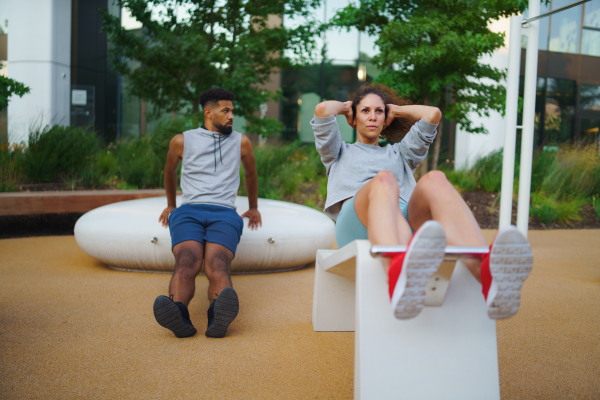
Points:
[(212, 97)]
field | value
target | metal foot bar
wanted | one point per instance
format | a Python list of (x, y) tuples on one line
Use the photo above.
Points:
[(453, 253)]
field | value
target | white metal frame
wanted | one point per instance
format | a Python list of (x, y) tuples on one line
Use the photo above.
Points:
[(529, 27)]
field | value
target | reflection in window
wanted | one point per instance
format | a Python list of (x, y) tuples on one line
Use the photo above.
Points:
[(564, 29), (559, 111), (543, 38), (591, 17), (590, 42), (589, 131), (589, 99)]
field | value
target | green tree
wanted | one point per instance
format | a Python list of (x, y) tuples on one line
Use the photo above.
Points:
[(9, 87), (431, 50), (188, 46)]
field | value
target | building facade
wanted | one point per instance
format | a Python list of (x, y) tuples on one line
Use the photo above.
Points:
[(64, 61)]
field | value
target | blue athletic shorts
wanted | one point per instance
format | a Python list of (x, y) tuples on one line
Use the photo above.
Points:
[(206, 223), (348, 227)]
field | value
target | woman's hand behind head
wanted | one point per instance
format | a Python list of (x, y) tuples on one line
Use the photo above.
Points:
[(348, 113)]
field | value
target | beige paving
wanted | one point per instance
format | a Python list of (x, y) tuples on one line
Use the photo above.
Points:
[(70, 328)]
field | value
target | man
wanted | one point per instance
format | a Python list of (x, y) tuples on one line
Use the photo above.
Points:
[(206, 226)]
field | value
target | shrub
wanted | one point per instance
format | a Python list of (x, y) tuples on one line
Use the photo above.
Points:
[(542, 164), (547, 209), (488, 171), (10, 167), (574, 173), (55, 150), (463, 179), (138, 165), (284, 170)]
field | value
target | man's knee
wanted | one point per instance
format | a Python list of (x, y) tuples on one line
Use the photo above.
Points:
[(188, 260), (218, 263)]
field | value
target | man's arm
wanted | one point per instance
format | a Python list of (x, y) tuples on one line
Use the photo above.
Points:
[(174, 157), (251, 178)]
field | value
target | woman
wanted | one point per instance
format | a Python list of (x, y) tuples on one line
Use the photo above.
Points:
[(371, 193)]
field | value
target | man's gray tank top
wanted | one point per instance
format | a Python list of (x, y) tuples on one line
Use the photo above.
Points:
[(210, 173)]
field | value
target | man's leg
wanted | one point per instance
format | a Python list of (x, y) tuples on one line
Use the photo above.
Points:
[(217, 268), (172, 312), (224, 305), (188, 263), (435, 198)]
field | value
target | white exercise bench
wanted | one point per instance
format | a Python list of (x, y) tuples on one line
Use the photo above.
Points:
[(448, 351)]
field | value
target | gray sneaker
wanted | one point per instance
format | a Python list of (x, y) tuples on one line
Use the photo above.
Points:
[(173, 316), (222, 312)]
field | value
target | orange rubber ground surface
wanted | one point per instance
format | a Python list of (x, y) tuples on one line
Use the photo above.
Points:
[(70, 328)]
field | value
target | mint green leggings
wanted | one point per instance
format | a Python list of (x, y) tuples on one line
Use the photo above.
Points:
[(348, 227)]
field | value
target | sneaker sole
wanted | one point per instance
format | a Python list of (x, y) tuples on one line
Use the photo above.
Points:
[(422, 260), (226, 309), (511, 261), (169, 316)]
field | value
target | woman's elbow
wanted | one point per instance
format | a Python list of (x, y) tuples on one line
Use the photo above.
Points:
[(321, 110), (434, 116)]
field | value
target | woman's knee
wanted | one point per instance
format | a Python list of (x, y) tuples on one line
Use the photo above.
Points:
[(434, 181), (385, 180)]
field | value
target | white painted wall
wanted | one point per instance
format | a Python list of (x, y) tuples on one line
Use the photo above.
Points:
[(469, 147), (39, 55)]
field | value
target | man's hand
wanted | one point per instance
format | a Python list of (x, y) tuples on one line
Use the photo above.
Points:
[(164, 217), (254, 218)]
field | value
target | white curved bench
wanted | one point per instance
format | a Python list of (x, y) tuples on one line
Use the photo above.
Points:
[(127, 236)]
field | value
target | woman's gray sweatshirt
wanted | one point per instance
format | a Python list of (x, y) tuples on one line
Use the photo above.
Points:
[(350, 166)]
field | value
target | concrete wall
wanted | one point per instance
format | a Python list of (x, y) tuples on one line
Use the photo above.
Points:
[(469, 147), (39, 55)]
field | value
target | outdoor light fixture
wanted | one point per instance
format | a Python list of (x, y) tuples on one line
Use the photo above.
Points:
[(362, 73)]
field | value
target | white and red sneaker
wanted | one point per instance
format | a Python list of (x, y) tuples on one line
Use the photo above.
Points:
[(503, 272), (409, 272)]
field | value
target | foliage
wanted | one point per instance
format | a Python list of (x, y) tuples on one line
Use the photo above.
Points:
[(138, 165), (431, 51), (10, 170), (488, 171), (290, 172), (189, 46), (575, 172), (8, 88), (547, 209), (463, 179), (55, 150)]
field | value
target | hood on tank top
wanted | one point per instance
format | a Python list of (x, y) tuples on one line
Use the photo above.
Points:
[(216, 137)]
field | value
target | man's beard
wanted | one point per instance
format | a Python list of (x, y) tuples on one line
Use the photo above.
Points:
[(225, 130)]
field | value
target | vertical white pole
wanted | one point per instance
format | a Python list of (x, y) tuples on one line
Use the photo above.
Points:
[(510, 130), (531, 61)]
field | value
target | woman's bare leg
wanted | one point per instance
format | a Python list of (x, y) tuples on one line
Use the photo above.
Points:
[(376, 206), (435, 198)]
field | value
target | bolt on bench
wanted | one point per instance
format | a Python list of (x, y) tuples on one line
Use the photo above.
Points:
[(449, 351)]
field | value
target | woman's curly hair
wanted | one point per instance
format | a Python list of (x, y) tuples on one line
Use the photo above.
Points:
[(399, 126)]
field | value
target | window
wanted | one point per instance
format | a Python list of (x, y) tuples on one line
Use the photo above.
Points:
[(589, 99), (564, 28)]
